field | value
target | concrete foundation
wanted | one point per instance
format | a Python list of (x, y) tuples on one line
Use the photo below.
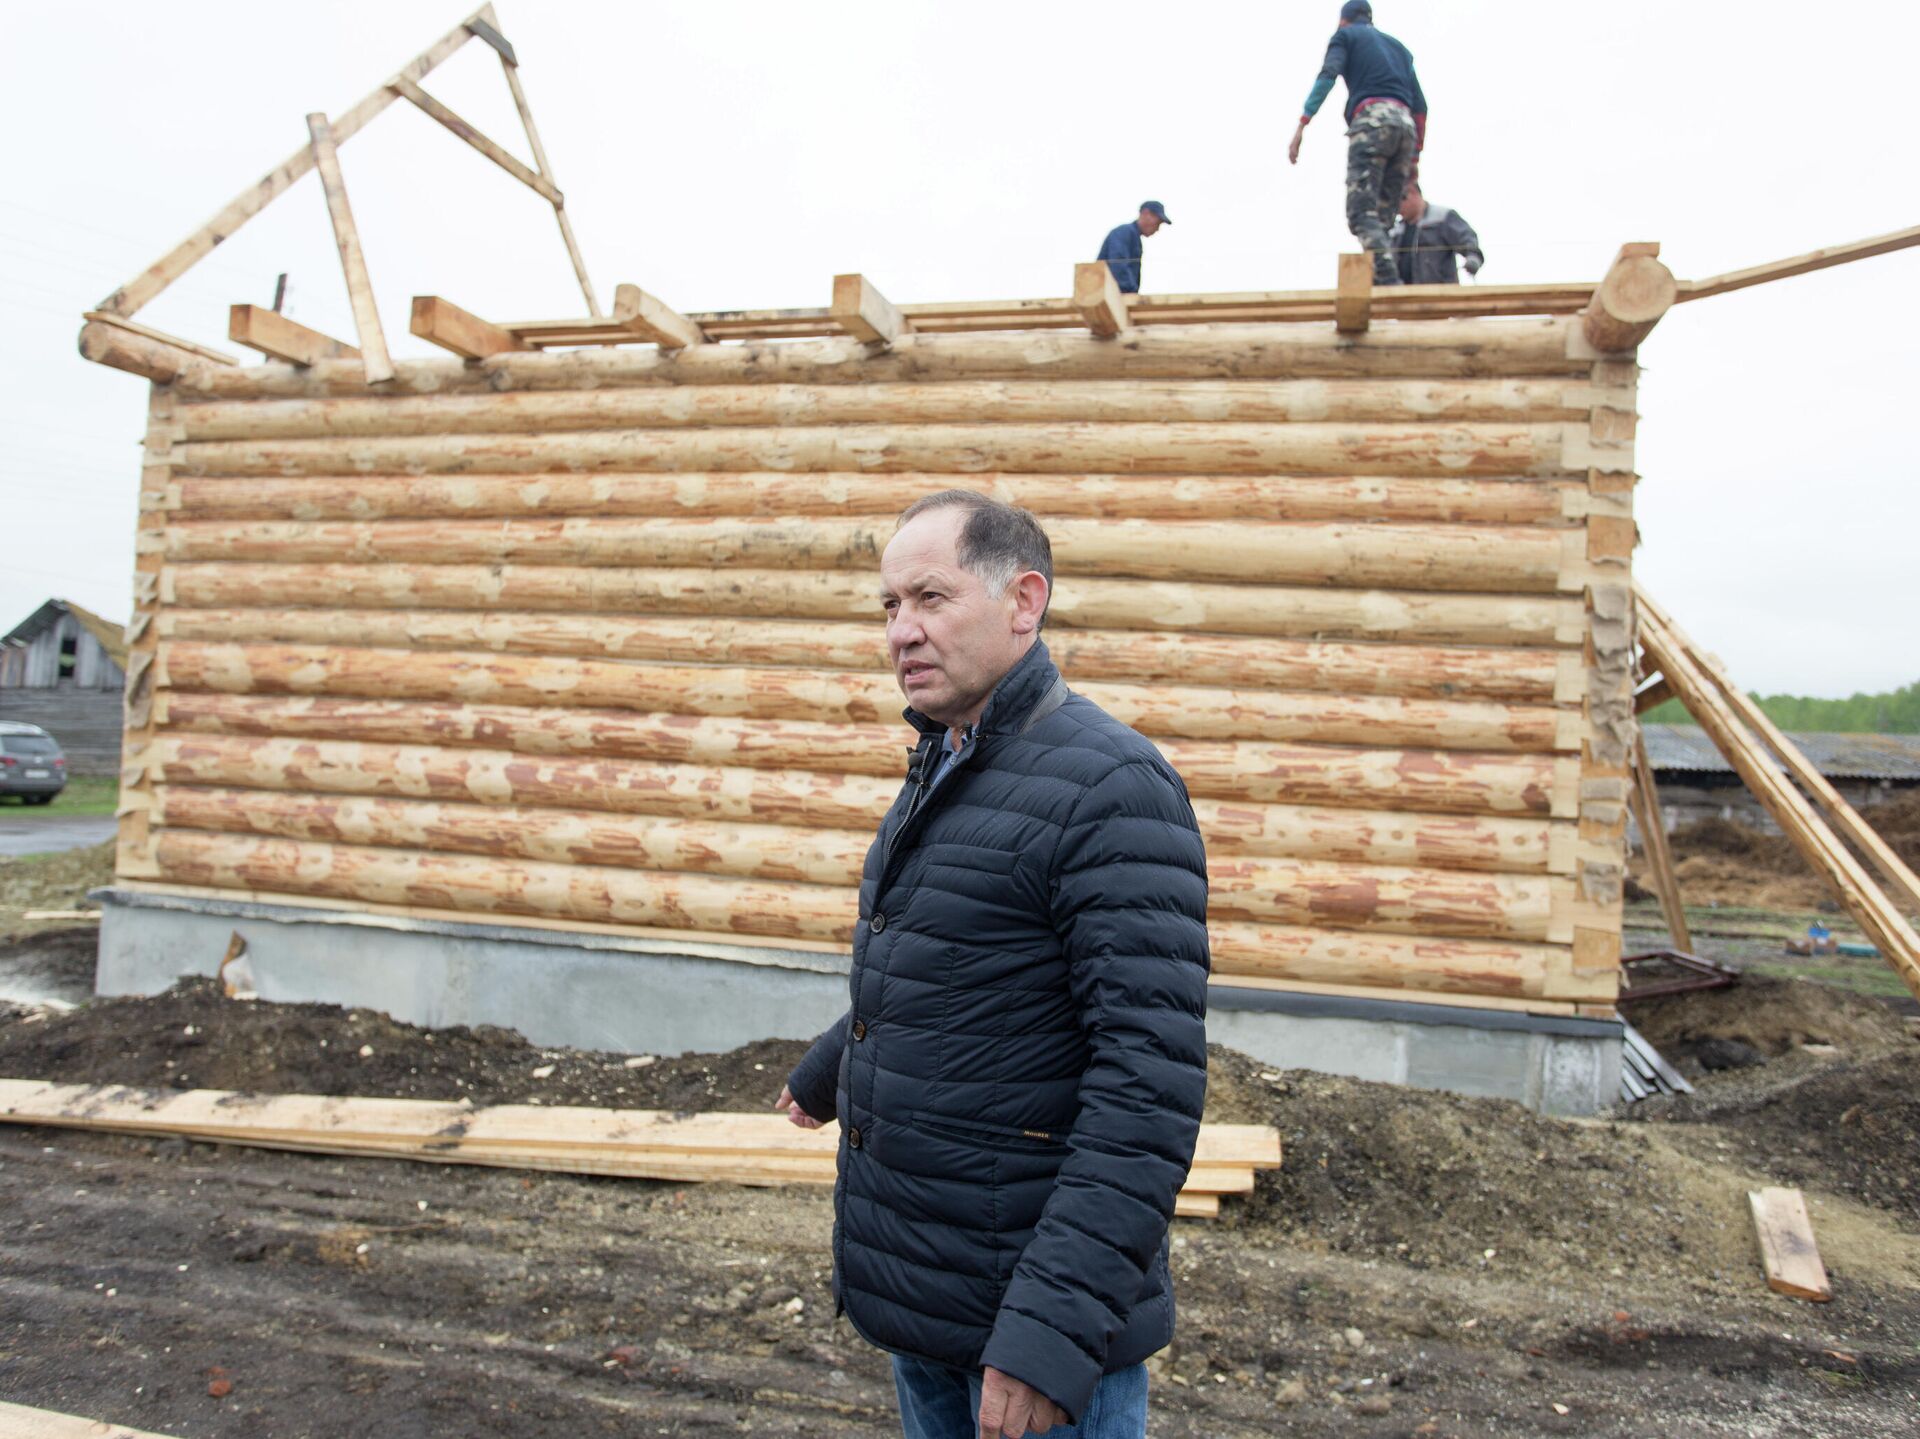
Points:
[(655, 997)]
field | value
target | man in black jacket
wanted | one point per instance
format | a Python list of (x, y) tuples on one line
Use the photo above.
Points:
[(1430, 241), (1020, 1078), (1386, 127)]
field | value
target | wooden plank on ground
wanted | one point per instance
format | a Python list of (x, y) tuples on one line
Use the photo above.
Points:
[(1787, 1246), (17, 1421), (274, 335), (62, 916), (366, 315), (455, 329), (753, 1149)]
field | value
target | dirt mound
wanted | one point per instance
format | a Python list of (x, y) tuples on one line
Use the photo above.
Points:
[(55, 881), (1775, 1016), (1721, 861), (193, 1037), (1848, 1128), (1436, 1181)]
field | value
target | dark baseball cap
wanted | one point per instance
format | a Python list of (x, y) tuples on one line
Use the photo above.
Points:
[(1158, 209), (1356, 10)]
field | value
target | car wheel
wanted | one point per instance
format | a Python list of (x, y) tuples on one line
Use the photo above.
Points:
[(39, 799)]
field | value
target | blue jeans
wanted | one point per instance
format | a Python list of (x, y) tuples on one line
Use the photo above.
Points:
[(941, 1403)]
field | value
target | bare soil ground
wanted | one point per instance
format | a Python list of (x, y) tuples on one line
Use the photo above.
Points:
[(1421, 1265), (1723, 862)]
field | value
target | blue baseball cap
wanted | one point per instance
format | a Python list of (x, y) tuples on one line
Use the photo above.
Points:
[(1356, 10), (1157, 208)]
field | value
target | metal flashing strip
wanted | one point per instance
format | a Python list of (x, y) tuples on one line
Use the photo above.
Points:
[(247, 909), (1403, 1011)]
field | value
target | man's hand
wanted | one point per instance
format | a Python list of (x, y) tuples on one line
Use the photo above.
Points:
[(795, 1113), (1009, 1408), (1293, 150)]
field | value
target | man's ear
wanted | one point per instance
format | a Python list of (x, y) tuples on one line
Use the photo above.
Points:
[(1030, 593)]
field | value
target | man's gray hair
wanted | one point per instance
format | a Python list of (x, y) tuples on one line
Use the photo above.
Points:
[(998, 542)]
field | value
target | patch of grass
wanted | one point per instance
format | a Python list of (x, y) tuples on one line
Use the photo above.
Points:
[(86, 794), (1862, 976)]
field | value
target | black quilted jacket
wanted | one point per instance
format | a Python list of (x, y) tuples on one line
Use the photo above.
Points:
[(1019, 1080)]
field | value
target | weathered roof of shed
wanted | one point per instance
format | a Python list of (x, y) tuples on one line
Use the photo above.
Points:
[(1686, 749), (112, 637)]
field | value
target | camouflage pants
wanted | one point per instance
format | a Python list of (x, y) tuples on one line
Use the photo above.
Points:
[(1381, 148)]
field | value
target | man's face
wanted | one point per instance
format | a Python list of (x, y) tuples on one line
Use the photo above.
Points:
[(949, 639), (1412, 205), (1149, 222)]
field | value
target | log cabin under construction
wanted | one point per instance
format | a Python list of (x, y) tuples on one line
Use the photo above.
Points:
[(543, 684)]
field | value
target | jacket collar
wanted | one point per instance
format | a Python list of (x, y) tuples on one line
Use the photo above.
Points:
[(1013, 699)]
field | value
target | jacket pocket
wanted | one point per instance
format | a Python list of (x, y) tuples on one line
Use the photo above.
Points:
[(972, 856), (991, 1136)]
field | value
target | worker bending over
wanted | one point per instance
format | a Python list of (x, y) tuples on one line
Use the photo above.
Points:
[(1429, 239), (1121, 249), (1386, 127)]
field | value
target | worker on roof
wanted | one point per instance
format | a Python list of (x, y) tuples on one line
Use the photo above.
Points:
[(1121, 249), (1430, 240), (1386, 127)]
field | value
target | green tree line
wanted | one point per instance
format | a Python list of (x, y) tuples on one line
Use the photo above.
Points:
[(1891, 712)]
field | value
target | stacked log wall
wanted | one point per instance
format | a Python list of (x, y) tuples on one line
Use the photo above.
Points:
[(592, 638)]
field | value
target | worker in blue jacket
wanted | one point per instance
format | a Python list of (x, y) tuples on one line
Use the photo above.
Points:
[(1121, 249), (1386, 127)]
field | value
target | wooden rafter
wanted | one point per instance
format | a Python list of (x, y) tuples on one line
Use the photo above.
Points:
[(1706, 699), (1096, 295), (510, 67), (151, 281), (366, 315), (1644, 798), (1353, 295), (472, 134), (1806, 264), (863, 312)]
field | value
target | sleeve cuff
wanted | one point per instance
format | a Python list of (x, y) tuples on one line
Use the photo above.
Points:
[(1043, 1358), (813, 1081)]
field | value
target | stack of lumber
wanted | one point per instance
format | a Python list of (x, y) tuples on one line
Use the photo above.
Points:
[(591, 639), (756, 1149)]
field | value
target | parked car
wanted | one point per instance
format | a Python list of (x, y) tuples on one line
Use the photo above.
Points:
[(31, 763)]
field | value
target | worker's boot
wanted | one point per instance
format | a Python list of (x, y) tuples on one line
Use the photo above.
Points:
[(1385, 271)]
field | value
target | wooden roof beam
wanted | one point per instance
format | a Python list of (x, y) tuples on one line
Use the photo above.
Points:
[(472, 135), (451, 328), (862, 311), (256, 197), (653, 319), (1353, 295), (1636, 291), (1096, 295), (1800, 264), (366, 315), (279, 338)]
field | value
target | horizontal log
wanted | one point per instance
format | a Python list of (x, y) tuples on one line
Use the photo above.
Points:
[(772, 910), (550, 835), (1405, 615), (954, 403), (1426, 671), (1321, 892), (1144, 448), (813, 799), (1453, 349), (1419, 557), (1251, 798), (709, 903), (1384, 961), (1186, 712), (704, 494)]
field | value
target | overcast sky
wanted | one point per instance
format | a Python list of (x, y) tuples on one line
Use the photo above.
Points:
[(728, 155)]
